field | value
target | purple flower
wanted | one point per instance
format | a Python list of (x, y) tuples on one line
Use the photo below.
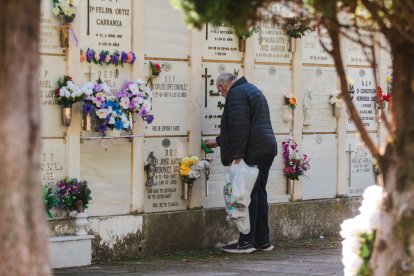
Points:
[(115, 59), (149, 119), (124, 56), (133, 58), (88, 108), (101, 128), (89, 55), (97, 87), (102, 56)]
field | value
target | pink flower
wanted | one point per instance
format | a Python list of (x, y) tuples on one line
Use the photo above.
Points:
[(83, 56), (129, 57)]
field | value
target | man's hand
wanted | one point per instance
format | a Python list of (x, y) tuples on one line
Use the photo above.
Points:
[(237, 161), (211, 143)]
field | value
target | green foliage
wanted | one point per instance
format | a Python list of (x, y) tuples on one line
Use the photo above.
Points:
[(239, 14), (245, 34), (367, 245), (49, 200)]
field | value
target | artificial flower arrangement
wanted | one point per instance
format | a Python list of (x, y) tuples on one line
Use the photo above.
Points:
[(100, 103), (105, 57), (291, 101), (65, 9), (336, 102), (296, 27), (67, 92), (73, 195), (49, 200), (189, 171), (359, 233), (155, 69), (382, 99), (295, 164), (134, 97)]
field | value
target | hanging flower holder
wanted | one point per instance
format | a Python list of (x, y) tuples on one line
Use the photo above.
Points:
[(87, 122), (66, 116), (186, 190), (64, 35), (292, 44), (290, 187)]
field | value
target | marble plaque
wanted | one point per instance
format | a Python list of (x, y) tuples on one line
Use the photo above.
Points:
[(363, 93), (212, 101), (276, 183), (318, 84), (221, 43), (356, 53), (165, 195), (165, 29), (53, 161), (49, 30), (106, 165), (171, 99), (271, 42), (106, 25), (275, 83), (51, 68), (313, 52), (320, 180), (359, 166)]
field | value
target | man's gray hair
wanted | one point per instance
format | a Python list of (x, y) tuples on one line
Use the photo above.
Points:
[(226, 78)]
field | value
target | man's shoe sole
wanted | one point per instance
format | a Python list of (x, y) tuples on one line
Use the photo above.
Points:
[(270, 248), (239, 251)]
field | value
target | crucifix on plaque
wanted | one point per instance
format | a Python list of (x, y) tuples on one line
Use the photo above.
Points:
[(205, 76), (349, 151), (89, 74)]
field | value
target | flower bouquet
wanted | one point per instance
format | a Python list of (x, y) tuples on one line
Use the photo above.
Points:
[(105, 57), (291, 101), (382, 99), (155, 69), (359, 233), (189, 171), (65, 9), (134, 97), (296, 27), (295, 164), (73, 195), (49, 200), (67, 92)]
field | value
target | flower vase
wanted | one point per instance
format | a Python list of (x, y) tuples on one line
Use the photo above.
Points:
[(186, 190), (287, 114), (290, 186), (87, 122), (292, 44), (242, 45), (66, 116), (113, 133), (81, 221), (337, 110), (64, 35)]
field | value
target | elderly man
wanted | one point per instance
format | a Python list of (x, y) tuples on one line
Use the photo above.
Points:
[(247, 134)]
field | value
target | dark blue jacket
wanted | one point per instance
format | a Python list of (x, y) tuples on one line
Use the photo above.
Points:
[(246, 131)]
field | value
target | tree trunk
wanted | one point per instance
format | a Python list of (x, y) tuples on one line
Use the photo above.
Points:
[(394, 247), (23, 229)]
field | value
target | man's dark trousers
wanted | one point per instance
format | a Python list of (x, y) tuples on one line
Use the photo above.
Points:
[(259, 207)]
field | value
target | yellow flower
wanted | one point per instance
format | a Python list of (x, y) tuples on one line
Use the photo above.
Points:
[(185, 159), (389, 79), (194, 160), (185, 171)]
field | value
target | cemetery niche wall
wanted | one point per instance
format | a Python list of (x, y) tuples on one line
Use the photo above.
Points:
[(136, 175)]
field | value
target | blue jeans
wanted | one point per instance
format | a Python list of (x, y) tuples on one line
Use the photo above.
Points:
[(259, 208)]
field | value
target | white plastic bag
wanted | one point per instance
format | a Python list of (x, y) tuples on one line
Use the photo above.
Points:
[(239, 183)]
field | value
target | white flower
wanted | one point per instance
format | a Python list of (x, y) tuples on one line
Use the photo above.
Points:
[(124, 102), (55, 11), (67, 94), (126, 123), (333, 99), (102, 113), (62, 91), (70, 85), (133, 87), (148, 91), (194, 174), (105, 88), (352, 263), (351, 244), (138, 100), (111, 120)]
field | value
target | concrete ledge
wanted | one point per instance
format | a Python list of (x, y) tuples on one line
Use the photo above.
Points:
[(70, 251)]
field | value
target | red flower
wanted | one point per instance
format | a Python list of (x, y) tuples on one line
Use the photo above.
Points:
[(158, 67)]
